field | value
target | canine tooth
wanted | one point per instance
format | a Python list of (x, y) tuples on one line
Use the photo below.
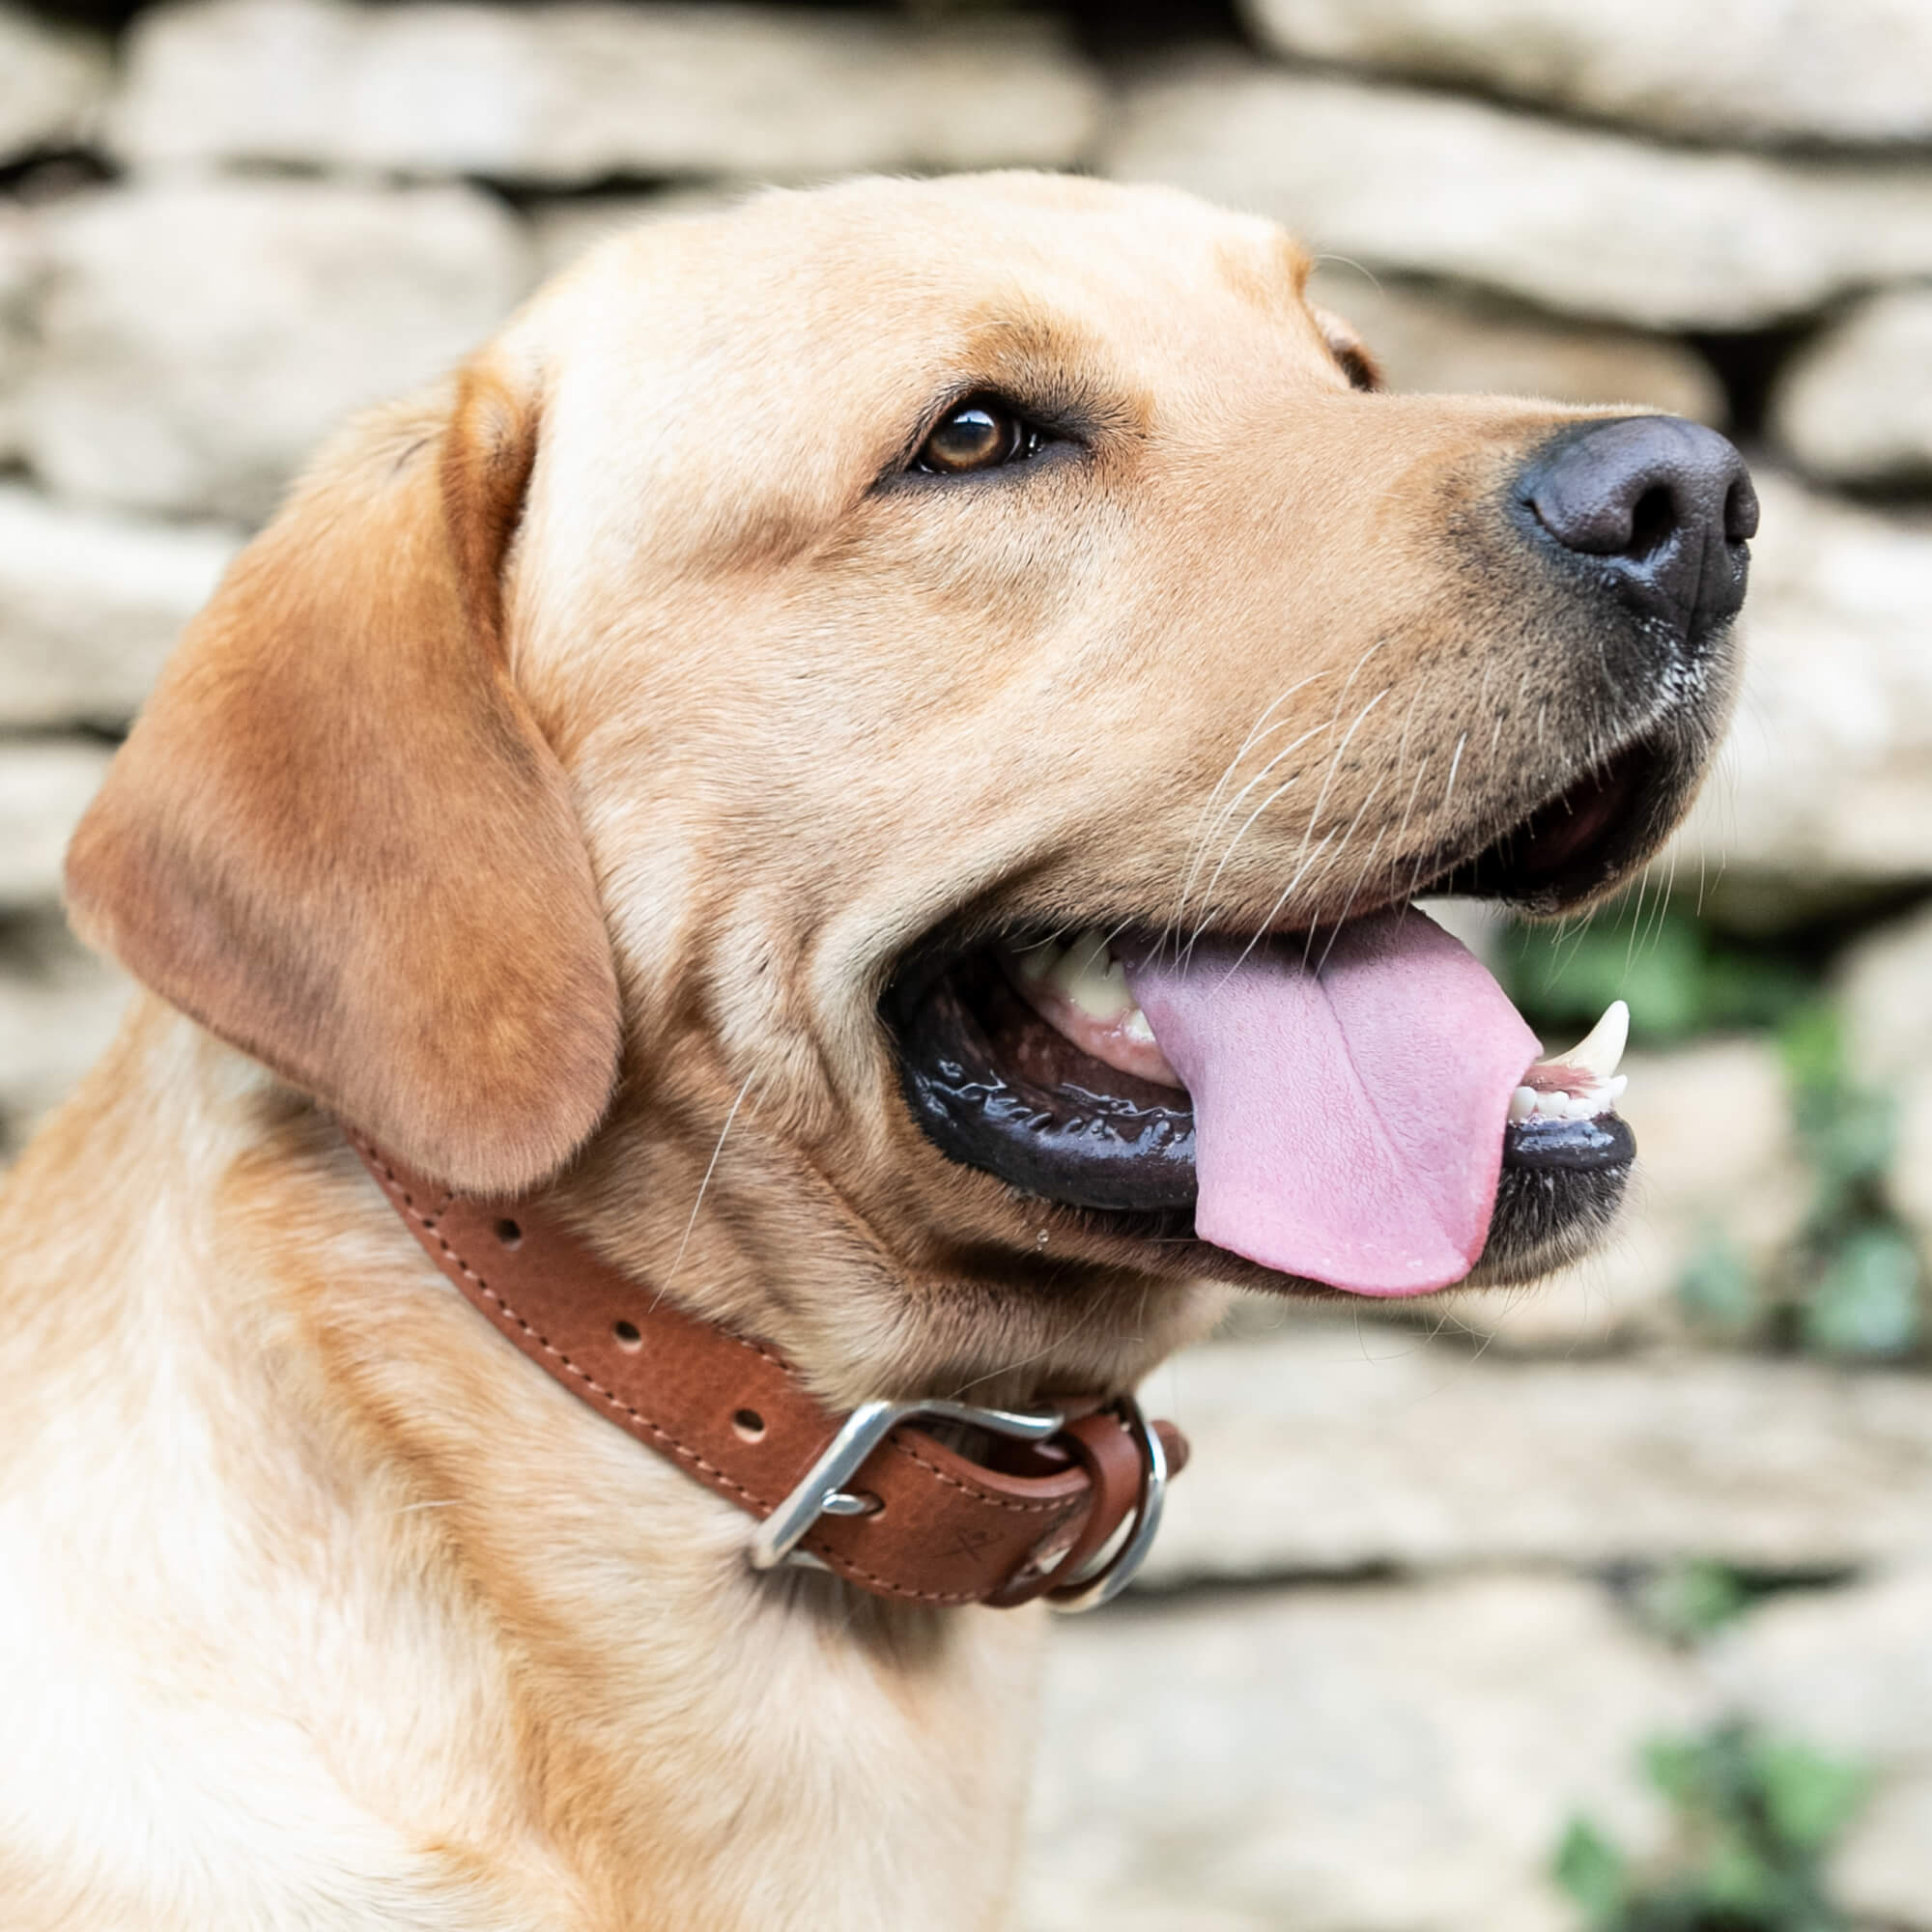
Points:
[(1523, 1103), (1599, 1050), (1091, 978)]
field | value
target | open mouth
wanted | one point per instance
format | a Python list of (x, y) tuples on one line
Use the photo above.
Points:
[(1357, 1106)]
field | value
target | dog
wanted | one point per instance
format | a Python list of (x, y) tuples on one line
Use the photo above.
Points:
[(862, 768)]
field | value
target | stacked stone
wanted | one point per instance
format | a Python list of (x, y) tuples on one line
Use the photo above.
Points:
[(243, 218), (1397, 1738)]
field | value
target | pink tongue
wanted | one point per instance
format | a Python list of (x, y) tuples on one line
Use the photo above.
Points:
[(1349, 1111)]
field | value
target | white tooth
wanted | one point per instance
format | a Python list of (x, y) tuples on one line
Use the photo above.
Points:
[(1088, 950), (1091, 978), (1036, 962), (1136, 1028), (1599, 1051), (1611, 1092), (1523, 1103)]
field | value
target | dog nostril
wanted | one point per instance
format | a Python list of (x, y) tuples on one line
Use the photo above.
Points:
[(1653, 523)]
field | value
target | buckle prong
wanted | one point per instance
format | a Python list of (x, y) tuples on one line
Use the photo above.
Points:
[(822, 1492)]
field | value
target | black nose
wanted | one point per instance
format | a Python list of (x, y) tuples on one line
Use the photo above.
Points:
[(1660, 508)]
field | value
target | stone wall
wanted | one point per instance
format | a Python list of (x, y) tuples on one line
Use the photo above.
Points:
[(1396, 1633)]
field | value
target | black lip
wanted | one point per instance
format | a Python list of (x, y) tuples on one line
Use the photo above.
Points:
[(1110, 1142), (1570, 1147)]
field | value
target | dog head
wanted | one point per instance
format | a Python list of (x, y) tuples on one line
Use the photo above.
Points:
[(880, 745)]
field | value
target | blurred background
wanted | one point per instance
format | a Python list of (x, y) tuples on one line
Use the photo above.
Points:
[(1605, 1604)]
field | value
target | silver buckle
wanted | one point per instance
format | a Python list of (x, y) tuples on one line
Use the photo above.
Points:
[(822, 1492)]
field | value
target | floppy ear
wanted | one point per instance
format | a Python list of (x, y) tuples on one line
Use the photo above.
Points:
[(336, 836)]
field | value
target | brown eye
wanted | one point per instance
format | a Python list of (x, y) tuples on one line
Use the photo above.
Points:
[(979, 434)]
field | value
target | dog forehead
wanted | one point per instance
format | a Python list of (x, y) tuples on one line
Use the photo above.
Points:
[(872, 279)]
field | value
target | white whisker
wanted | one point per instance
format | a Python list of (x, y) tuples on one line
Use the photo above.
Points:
[(711, 1168), (1335, 765), (1286, 783), (1204, 834), (1347, 904), (1281, 901), (1455, 765)]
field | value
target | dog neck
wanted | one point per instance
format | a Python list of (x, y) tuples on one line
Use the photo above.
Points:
[(1060, 1503)]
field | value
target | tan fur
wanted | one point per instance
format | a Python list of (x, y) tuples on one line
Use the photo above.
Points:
[(599, 711)]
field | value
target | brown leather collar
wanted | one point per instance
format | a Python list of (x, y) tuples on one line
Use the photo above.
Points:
[(871, 1497)]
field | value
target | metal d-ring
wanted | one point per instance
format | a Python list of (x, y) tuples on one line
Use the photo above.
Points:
[(1118, 1570)]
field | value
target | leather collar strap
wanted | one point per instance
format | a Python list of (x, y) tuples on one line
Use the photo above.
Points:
[(914, 1519)]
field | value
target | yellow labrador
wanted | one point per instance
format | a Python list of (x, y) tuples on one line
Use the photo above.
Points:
[(867, 759)]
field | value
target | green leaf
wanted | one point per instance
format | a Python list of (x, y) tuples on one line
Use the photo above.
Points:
[(1562, 976), (1736, 1876), (1675, 1767), (1690, 1600), (1749, 988), (1717, 1290), (1752, 1821), (1866, 1303), (1679, 975), (1850, 1135), (1591, 1871), (1812, 1044), (1810, 1798)]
